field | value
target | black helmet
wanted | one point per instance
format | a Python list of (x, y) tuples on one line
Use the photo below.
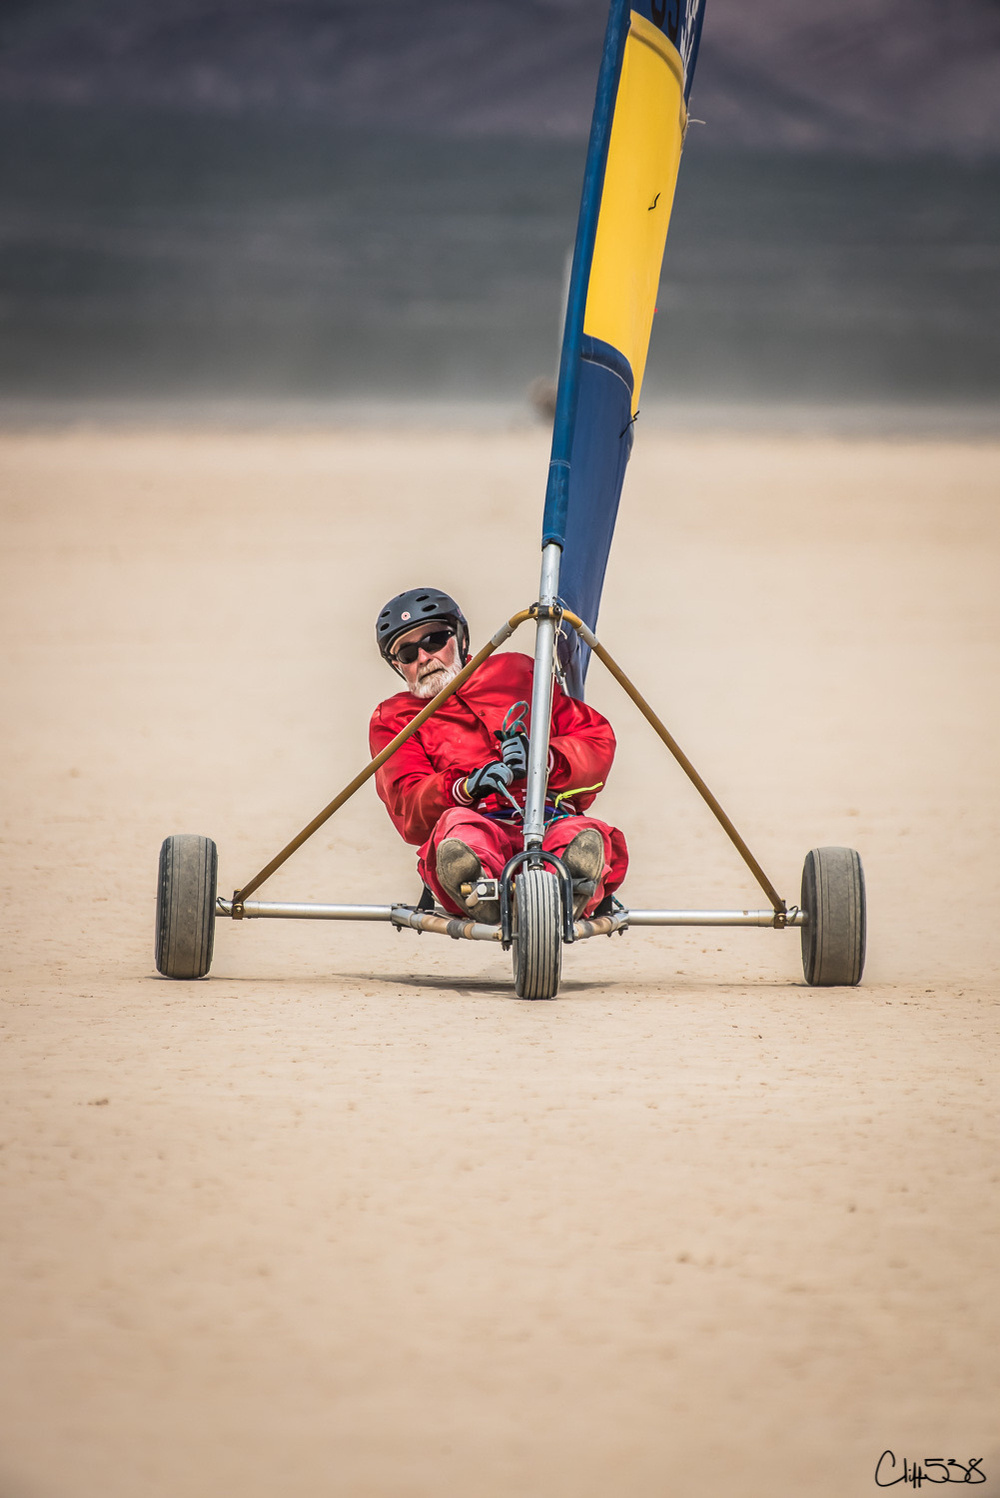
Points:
[(407, 610)]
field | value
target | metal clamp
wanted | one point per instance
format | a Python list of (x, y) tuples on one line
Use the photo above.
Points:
[(479, 890)]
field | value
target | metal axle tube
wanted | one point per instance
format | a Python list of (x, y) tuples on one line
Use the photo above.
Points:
[(297, 911), (716, 918), (405, 915)]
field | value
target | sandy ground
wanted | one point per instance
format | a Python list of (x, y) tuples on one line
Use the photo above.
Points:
[(348, 1219)]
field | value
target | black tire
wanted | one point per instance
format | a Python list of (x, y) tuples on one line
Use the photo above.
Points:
[(185, 906), (833, 898), (537, 934)]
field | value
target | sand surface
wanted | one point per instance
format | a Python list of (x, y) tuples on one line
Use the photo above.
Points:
[(347, 1218)]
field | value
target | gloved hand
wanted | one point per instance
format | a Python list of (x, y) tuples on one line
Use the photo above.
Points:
[(514, 753), (488, 780)]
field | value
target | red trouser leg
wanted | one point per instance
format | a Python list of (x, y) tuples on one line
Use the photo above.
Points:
[(559, 836), (492, 842)]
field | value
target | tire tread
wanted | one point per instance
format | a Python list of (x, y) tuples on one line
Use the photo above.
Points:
[(833, 898), (185, 906), (538, 935)]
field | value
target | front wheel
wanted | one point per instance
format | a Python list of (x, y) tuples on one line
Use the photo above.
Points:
[(537, 934), (185, 906), (833, 898)]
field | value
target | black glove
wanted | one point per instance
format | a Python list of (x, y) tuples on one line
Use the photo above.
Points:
[(489, 780), (514, 753)]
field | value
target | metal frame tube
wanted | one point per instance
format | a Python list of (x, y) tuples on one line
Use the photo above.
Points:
[(406, 915), (541, 702), (717, 918), (601, 925), (253, 910), (441, 925)]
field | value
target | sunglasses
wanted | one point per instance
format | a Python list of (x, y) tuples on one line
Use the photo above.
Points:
[(431, 643)]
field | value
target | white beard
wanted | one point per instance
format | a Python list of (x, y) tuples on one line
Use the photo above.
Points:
[(435, 681)]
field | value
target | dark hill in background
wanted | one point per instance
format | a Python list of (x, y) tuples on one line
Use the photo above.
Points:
[(866, 75), (313, 198)]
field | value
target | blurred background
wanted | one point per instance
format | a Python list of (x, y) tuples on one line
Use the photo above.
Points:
[(330, 200)]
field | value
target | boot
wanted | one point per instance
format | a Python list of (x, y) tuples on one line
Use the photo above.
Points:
[(458, 865), (585, 860)]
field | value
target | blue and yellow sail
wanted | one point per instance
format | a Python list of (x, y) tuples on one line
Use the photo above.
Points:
[(640, 119)]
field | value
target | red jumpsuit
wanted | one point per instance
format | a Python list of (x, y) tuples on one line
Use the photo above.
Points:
[(422, 784)]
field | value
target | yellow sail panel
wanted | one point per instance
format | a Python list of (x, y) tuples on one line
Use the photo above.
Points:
[(644, 153)]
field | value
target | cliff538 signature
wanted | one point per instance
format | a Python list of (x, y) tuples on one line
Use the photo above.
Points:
[(931, 1469)]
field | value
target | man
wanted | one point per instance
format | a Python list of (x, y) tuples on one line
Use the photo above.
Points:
[(449, 788)]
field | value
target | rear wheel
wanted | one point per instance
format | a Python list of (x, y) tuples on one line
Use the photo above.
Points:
[(833, 898), (537, 934), (185, 906)]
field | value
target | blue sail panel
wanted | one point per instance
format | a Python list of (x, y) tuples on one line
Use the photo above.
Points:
[(602, 442)]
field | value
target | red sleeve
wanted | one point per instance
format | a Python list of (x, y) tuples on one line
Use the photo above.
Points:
[(415, 794), (583, 747)]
